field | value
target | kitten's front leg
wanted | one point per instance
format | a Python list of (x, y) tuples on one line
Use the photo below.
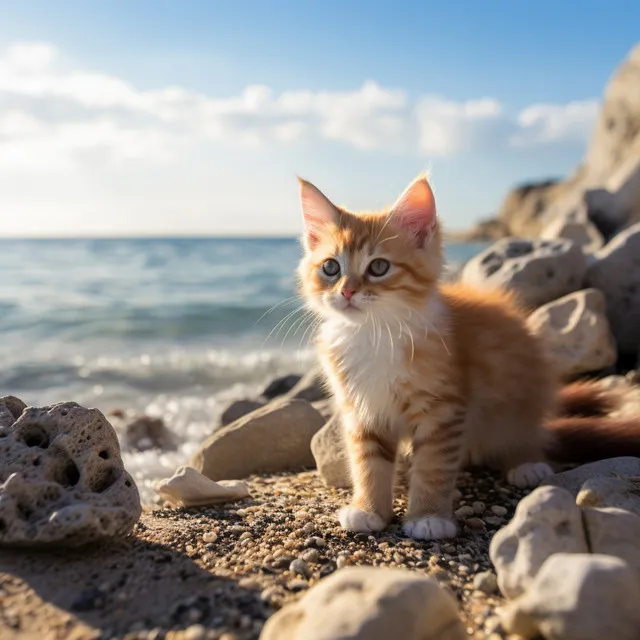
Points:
[(438, 445), (372, 455)]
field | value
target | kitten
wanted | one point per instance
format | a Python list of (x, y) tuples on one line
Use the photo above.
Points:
[(452, 371)]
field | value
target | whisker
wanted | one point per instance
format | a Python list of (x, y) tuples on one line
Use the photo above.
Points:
[(274, 307)]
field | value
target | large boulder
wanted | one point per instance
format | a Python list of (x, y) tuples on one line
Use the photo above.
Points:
[(538, 271), (62, 480), (614, 491), (616, 272), (578, 597), (574, 479), (273, 439), (367, 603), (576, 331), (618, 126), (547, 521), (576, 226)]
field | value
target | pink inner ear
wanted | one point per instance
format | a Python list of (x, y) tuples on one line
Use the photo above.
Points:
[(317, 211), (415, 211)]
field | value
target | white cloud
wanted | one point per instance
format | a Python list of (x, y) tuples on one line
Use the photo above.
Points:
[(51, 110)]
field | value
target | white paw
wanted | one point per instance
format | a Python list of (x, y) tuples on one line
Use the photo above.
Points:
[(430, 528), (529, 475), (359, 521)]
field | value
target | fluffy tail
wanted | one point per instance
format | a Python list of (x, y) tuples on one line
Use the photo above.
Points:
[(583, 430)]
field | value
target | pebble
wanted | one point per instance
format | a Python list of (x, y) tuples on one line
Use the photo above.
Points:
[(300, 567), (341, 561), (195, 632), (464, 511), (479, 507), (486, 582), (498, 510), (493, 520), (311, 555), (210, 536), (475, 523)]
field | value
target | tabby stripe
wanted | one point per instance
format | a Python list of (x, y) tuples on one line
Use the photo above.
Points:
[(382, 447)]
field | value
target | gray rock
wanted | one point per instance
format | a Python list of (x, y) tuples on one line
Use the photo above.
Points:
[(575, 226), (615, 491), (366, 603), (62, 480), (576, 330), (328, 449), (145, 432), (614, 532), (616, 272), (311, 387), (239, 409), (281, 386), (273, 439), (546, 521), (538, 271), (573, 480), (578, 597), (486, 582)]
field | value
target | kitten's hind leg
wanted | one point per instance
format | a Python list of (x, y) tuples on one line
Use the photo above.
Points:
[(437, 453), (372, 455), (529, 474)]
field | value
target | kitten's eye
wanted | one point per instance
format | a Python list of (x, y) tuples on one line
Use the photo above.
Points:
[(331, 267), (378, 267)]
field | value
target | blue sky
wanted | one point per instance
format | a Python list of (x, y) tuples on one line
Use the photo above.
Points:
[(128, 118)]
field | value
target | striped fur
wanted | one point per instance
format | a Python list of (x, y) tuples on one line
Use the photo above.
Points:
[(452, 372)]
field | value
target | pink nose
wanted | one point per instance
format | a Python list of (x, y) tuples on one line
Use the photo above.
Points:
[(348, 293)]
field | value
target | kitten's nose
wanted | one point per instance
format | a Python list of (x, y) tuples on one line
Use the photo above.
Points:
[(348, 294)]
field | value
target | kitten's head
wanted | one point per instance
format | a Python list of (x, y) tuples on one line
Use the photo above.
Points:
[(370, 266)]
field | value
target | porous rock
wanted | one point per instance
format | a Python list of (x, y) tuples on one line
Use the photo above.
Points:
[(538, 271), (576, 226), (614, 532), (546, 521), (239, 409), (615, 491), (273, 439), (366, 603), (188, 488), (62, 480), (616, 272), (576, 331), (578, 597), (573, 480), (329, 452)]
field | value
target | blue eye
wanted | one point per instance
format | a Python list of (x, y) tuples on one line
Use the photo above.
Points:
[(331, 268), (378, 267)]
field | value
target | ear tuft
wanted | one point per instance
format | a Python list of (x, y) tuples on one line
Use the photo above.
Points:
[(317, 211), (415, 211)]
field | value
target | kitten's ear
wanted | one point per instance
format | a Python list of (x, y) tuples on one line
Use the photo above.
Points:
[(415, 211), (317, 210)]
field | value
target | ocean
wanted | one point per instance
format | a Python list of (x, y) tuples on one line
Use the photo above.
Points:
[(174, 328)]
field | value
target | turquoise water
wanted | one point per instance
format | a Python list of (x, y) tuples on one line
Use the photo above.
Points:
[(173, 327)]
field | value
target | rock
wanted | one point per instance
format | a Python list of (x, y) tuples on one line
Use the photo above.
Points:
[(239, 409), (618, 127), (366, 603), (273, 439), (546, 521), (576, 330), (578, 597), (62, 480), (615, 491), (486, 582), (145, 432), (538, 271), (281, 386), (573, 480), (188, 488), (325, 407), (328, 449), (576, 226), (616, 272), (614, 532), (521, 210), (310, 388)]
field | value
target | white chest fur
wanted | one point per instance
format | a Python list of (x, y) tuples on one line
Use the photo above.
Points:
[(365, 366)]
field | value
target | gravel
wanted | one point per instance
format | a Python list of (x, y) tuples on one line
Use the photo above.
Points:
[(233, 565)]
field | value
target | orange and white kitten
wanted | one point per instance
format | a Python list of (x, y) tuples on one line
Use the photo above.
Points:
[(452, 371)]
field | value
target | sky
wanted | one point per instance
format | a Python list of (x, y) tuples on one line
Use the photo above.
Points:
[(140, 117)]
